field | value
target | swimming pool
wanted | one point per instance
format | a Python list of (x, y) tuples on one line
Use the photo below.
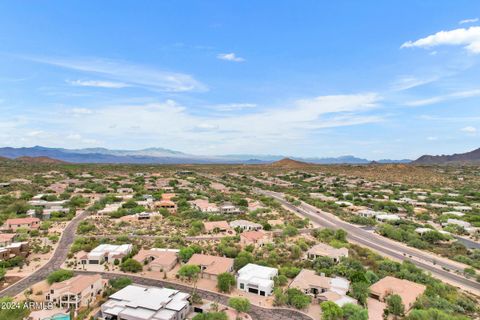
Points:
[(59, 317)]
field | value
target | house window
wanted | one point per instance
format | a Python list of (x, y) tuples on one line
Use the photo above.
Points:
[(242, 286)]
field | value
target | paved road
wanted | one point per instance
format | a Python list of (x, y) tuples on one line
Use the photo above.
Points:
[(468, 243), (59, 256), (379, 244), (256, 312)]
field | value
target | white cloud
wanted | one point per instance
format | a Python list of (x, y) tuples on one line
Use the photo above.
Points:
[(432, 138), (80, 111), (465, 21), (442, 98), (469, 129), (409, 82), (171, 125), (230, 57), (98, 83), (234, 106), (131, 74), (467, 37)]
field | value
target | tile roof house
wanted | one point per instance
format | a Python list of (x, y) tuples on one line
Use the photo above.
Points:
[(6, 239), (14, 224), (324, 250), (205, 206), (79, 291), (409, 291), (323, 288), (211, 266), (136, 302), (160, 260), (217, 226), (256, 238)]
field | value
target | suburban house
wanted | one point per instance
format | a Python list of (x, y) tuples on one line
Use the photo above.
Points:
[(204, 206), (323, 288), (160, 260), (256, 238), (107, 253), (217, 227), (140, 216), (136, 302), (387, 217), (245, 225), (228, 208), (166, 204), (409, 291), (15, 223), (324, 250), (14, 249), (211, 266), (256, 279), (110, 208), (6, 239), (79, 291)]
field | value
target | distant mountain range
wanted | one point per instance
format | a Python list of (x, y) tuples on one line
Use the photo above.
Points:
[(472, 157), (165, 156)]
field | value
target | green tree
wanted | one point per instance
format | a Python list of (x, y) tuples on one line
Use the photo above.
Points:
[(361, 291), (186, 253), (395, 305), (189, 272), (297, 298), (225, 282), (354, 312), (2, 273), (239, 304), (331, 311), (131, 265), (211, 316), (242, 259), (59, 276), (120, 283)]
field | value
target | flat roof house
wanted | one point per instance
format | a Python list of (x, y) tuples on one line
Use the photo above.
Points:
[(245, 225), (158, 259), (79, 291), (14, 224), (136, 302), (211, 266), (409, 291), (324, 250), (256, 279), (107, 253), (227, 208)]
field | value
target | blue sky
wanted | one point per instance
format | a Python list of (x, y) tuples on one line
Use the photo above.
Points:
[(377, 79)]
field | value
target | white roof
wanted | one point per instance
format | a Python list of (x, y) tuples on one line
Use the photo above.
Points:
[(388, 217), (254, 271)]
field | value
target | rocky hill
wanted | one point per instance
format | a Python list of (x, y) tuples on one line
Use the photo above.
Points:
[(472, 157), (289, 163), (43, 160)]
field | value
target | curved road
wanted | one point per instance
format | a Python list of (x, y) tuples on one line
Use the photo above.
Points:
[(59, 256), (257, 313), (379, 244)]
